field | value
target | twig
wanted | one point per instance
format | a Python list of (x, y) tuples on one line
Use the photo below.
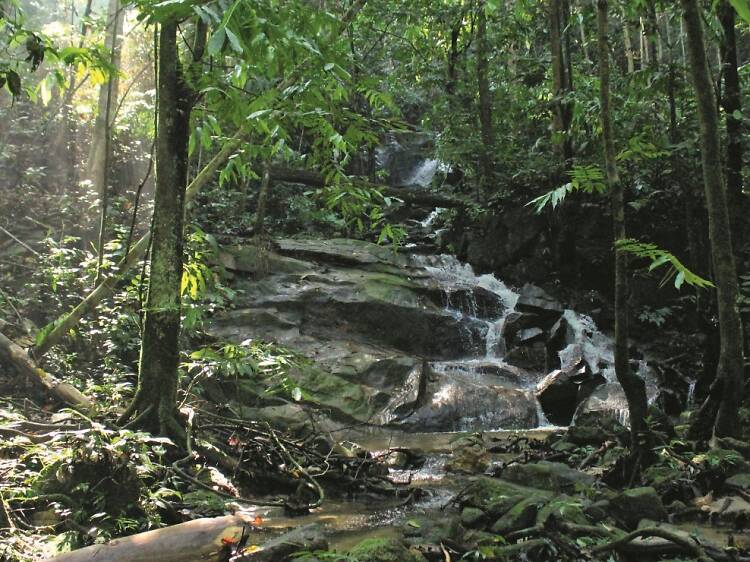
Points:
[(21, 242)]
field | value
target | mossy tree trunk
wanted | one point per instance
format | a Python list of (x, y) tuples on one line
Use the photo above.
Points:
[(728, 387), (633, 385), (155, 401)]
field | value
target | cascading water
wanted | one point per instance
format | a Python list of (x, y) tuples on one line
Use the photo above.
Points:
[(460, 287)]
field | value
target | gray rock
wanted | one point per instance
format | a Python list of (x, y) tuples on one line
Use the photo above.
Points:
[(544, 475), (282, 549), (536, 300), (631, 506), (520, 516)]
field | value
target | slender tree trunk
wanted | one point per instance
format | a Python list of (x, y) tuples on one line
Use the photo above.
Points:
[(731, 103), (729, 380), (562, 81), (628, 42), (155, 399), (260, 213), (633, 385), (485, 96), (100, 153)]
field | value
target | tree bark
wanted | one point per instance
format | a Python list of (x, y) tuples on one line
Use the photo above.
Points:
[(100, 153), (201, 540), (485, 97), (17, 356), (633, 385), (731, 103), (562, 82), (155, 398), (260, 212), (731, 362)]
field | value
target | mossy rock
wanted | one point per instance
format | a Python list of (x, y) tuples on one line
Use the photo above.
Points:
[(631, 506), (484, 491), (739, 481), (384, 550), (563, 508), (520, 516), (552, 476)]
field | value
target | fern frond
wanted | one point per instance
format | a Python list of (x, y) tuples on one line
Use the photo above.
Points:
[(588, 178), (660, 257)]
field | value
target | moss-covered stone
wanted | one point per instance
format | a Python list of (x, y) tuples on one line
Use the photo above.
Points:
[(472, 517), (639, 503), (562, 508), (739, 481), (484, 492), (384, 550), (520, 516), (553, 476)]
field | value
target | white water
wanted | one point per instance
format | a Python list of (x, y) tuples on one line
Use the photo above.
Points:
[(585, 341)]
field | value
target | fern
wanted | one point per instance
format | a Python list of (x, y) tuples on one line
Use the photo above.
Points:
[(589, 179), (661, 257)]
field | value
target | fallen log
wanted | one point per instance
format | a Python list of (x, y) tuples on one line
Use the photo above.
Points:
[(17, 356), (201, 540), (409, 196)]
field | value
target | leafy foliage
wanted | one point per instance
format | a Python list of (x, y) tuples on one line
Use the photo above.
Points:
[(659, 257), (586, 178)]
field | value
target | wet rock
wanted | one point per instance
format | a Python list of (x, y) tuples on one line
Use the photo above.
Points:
[(594, 428), (516, 322), (493, 494), (739, 481), (560, 335), (283, 548), (461, 402), (430, 530), (597, 511), (631, 506), (563, 508), (560, 392), (535, 300), (384, 550), (544, 475), (532, 355), (468, 458), (731, 510), (472, 517), (520, 516), (606, 401), (502, 505)]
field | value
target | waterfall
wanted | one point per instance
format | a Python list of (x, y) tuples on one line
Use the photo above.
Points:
[(459, 285)]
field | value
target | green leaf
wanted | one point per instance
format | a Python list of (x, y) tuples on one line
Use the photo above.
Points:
[(233, 40), (216, 43), (743, 8), (14, 82)]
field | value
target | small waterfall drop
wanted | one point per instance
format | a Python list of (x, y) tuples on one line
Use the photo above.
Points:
[(461, 289)]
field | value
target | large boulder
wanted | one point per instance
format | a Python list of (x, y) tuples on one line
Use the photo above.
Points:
[(535, 300), (560, 392), (631, 506), (544, 475)]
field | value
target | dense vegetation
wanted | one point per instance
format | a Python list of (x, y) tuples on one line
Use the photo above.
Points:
[(233, 241)]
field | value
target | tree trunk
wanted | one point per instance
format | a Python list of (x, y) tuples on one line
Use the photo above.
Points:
[(260, 212), (633, 385), (731, 103), (628, 42), (201, 540), (562, 82), (100, 153), (155, 399), (730, 368), (485, 97)]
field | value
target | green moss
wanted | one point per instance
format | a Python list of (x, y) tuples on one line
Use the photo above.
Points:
[(384, 550)]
